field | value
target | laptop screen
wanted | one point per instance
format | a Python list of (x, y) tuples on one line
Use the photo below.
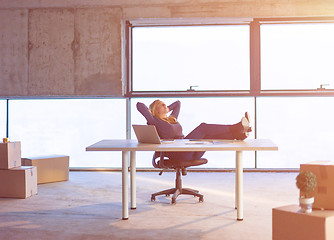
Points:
[(146, 134)]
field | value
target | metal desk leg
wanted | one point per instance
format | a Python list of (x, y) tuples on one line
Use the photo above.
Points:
[(133, 178), (125, 187), (239, 186)]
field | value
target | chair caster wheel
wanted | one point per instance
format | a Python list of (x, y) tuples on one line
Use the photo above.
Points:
[(173, 201), (152, 199), (201, 199)]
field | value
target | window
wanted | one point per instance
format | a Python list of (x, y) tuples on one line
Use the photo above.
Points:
[(177, 57), (67, 127), (297, 56), (301, 127)]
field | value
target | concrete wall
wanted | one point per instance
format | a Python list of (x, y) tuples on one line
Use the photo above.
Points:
[(60, 52), (74, 47)]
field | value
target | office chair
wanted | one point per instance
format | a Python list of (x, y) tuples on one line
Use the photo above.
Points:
[(161, 161)]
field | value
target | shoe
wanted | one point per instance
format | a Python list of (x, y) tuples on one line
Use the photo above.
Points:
[(245, 124), (247, 116)]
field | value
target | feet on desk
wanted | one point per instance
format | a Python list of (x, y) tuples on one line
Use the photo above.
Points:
[(242, 129), (245, 124), (247, 116), (249, 129), (242, 136)]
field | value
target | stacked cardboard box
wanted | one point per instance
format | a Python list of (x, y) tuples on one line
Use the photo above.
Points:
[(290, 223), (51, 168), (15, 181), (10, 155), (324, 191)]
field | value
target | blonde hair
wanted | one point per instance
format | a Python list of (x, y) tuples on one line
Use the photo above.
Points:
[(153, 109)]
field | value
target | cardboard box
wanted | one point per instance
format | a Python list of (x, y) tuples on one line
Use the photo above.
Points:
[(51, 168), (10, 155), (20, 182), (290, 224), (324, 191)]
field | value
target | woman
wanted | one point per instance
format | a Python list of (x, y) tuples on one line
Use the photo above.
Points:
[(169, 128)]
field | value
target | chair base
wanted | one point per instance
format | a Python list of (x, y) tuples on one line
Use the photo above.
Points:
[(176, 192)]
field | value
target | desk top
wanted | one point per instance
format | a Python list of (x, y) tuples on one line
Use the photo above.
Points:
[(184, 145)]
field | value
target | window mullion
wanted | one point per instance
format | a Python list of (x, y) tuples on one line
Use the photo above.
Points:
[(255, 59)]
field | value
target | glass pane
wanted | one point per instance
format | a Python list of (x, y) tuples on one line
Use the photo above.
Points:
[(3, 116), (297, 56), (67, 127), (301, 127), (194, 111), (174, 58)]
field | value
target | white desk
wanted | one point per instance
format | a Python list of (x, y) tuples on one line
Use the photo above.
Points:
[(131, 146)]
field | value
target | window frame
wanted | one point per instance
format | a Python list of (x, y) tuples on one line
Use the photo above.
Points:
[(293, 92), (255, 56), (175, 22)]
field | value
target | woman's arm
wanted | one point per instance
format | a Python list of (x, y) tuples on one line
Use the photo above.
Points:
[(145, 112), (175, 108)]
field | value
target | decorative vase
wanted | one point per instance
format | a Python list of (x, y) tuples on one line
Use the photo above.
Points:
[(306, 204)]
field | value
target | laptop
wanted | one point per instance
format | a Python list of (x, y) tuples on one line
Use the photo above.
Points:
[(147, 134)]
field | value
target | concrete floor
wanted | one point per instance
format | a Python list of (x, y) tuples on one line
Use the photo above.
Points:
[(88, 206)]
